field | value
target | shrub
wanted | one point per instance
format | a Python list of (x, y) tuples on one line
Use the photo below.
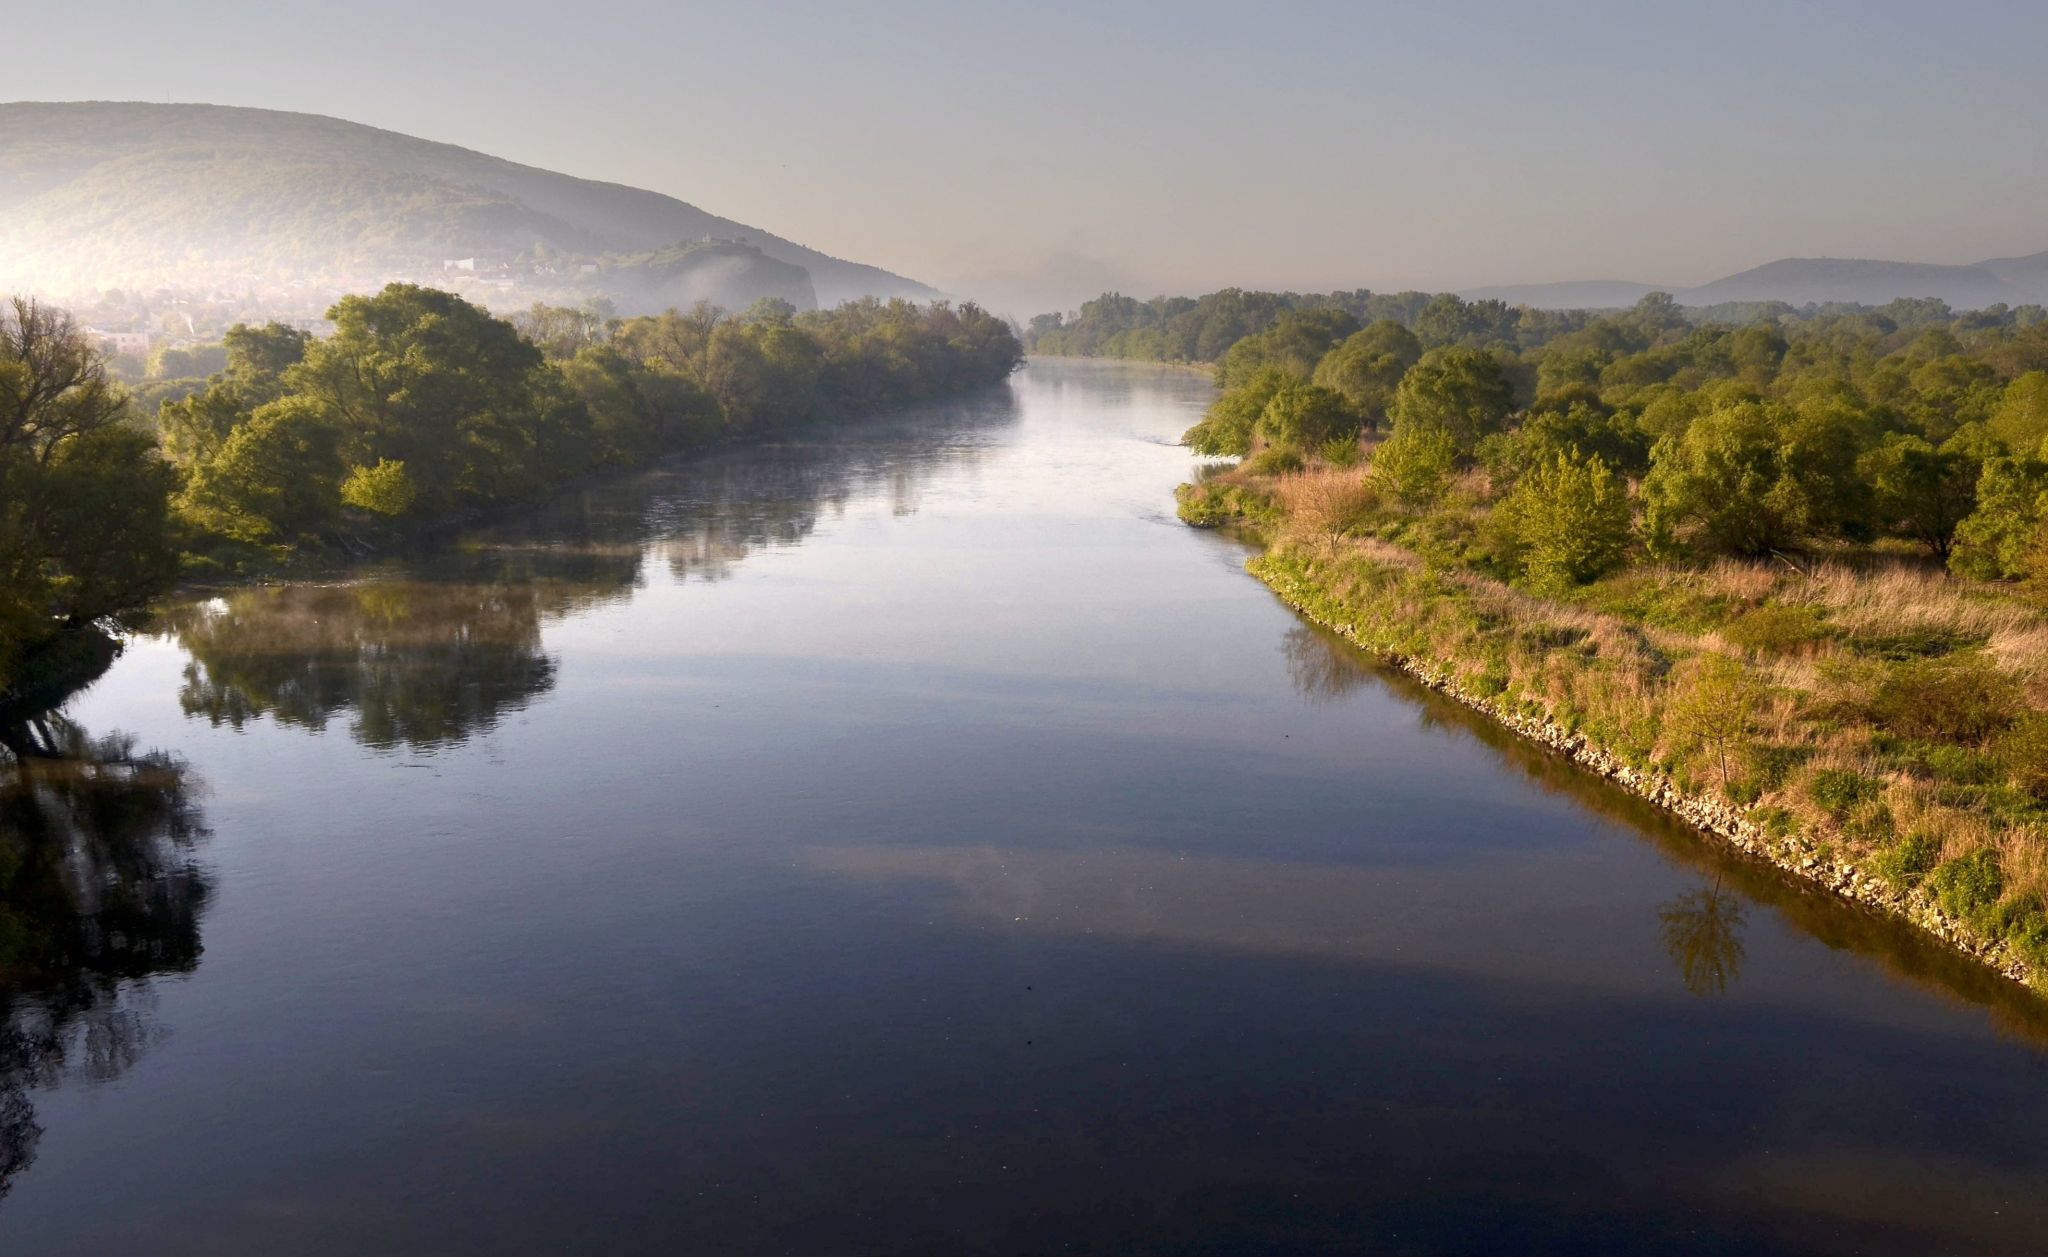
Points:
[(1569, 518), (2024, 754), (1415, 464), (1776, 630), (1908, 860), (1838, 790), (1969, 885), (1956, 699), (1274, 460)]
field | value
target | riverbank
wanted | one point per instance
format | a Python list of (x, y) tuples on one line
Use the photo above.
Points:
[(1794, 780)]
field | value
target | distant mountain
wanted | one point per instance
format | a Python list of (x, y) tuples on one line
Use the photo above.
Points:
[(1803, 280), (103, 195), (1800, 281)]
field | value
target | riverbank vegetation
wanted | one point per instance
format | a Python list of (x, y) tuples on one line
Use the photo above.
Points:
[(1798, 567), (419, 409)]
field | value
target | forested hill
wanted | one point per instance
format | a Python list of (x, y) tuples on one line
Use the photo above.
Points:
[(106, 194)]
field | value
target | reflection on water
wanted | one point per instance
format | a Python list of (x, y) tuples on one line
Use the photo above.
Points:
[(98, 894), (448, 645), (413, 663), (1322, 664), (917, 841), (1702, 929)]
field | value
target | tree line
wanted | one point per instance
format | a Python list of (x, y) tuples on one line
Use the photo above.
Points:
[(1742, 440), (419, 408)]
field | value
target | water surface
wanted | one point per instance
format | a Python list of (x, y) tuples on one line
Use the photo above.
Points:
[(912, 839)]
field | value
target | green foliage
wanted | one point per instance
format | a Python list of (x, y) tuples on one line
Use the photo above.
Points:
[(1957, 698), (1838, 791), (276, 480), (1729, 482), (2023, 752), (1968, 886), (1367, 367), (1274, 460), (1233, 418), (1907, 861), (1777, 629), (422, 404), (1415, 465), (1570, 521), (384, 489), (1923, 491), (1305, 417), (2020, 419), (1713, 709), (1995, 541), (84, 520), (1460, 392), (1295, 343)]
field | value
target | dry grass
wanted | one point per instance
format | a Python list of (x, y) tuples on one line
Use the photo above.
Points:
[(1327, 499)]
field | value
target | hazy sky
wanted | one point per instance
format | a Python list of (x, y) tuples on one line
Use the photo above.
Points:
[(1183, 146)]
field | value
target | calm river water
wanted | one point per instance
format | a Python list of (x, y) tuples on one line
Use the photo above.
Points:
[(913, 840)]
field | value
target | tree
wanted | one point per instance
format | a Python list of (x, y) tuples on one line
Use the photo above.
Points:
[(1415, 464), (84, 524), (1460, 392), (1714, 709), (1233, 418), (277, 479), (2021, 417), (1995, 541), (1305, 417), (1923, 491), (1367, 367), (1727, 480), (1570, 519), (425, 378)]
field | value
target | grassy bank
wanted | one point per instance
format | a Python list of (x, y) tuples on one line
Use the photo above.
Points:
[(1871, 725)]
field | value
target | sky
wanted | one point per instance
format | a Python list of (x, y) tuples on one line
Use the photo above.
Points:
[(1153, 147)]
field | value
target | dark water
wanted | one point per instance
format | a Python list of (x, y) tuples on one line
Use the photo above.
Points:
[(917, 842)]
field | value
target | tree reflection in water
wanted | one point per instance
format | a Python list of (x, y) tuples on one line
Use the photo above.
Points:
[(98, 894), (1702, 932), (415, 663)]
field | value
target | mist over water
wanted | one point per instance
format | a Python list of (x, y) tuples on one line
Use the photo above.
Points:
[(912, 838)]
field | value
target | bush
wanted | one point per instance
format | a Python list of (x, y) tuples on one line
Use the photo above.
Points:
[(1569, 518), (2024, 754), (1957, 699), (1908, 860), (1776, 630), (1969, 885), (1838, 790), (1274, 460)]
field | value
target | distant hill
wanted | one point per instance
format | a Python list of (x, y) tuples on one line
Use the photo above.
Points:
[(1800, 281), (103, 194), (1803, 280)]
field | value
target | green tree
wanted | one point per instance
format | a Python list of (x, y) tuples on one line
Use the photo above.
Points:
[(1305, 417), (276, 481), (1460, 392), (1923, 491), (1415, 464), (383, 490), (84, 523), (1993, 543), (1367, 367), (425, 378), (2021, 417), (1714, 709), (1233, 418), (1727, 480), (1570, 520)]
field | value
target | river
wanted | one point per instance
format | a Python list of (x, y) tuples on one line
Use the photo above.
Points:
[(911, 839)]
